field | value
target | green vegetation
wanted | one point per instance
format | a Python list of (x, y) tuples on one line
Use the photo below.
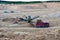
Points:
[(20, 2), (52, 1)]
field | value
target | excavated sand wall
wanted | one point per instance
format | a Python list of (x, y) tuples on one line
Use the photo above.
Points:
[(52, 5)]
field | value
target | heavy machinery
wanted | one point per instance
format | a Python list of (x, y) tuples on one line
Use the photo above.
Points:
[(28, 19)]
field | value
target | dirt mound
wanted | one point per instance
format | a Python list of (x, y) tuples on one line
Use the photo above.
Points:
[(8, 19)]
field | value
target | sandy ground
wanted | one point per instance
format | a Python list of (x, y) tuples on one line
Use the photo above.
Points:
[(48, 12), (30, 34)]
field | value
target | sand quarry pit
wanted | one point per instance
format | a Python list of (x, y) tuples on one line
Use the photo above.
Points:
[(48, 12)]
